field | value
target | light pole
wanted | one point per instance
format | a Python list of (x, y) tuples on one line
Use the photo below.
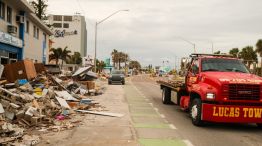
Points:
[(194, 45), (212, 46), (97, 23)]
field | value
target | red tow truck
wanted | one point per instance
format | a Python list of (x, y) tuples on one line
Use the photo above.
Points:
[(217, 88)]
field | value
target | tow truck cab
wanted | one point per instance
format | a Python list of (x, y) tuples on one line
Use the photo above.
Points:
[(219, 88)]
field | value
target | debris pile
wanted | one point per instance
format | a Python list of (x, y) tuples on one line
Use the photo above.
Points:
[(42, 102)]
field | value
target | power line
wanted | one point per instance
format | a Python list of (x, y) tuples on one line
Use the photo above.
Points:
[(84, 12)]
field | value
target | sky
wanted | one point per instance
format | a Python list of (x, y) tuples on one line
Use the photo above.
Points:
[(153, 31)]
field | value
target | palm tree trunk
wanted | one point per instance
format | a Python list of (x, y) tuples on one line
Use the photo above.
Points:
[(119, 64), (62, 63)]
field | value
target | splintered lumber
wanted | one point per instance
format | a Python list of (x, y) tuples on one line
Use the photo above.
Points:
[(8, 92), (101, 113)]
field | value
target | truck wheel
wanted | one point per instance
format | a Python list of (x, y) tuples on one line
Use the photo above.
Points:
[(166, 95), (195, 112)]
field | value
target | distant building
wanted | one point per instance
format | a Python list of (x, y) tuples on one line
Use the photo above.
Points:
[(87, 60), (22, 34), (69, 31)]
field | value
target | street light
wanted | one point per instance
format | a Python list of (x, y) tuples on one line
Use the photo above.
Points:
[(212, 46), (97, 23), (194, 45)]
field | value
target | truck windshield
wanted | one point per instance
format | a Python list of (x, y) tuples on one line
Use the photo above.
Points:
[(223, 65)]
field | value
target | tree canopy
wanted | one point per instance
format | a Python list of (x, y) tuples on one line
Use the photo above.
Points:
[(234, 52), (40, 7)]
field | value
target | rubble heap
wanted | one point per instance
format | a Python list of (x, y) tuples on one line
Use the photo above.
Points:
[(44, 103)]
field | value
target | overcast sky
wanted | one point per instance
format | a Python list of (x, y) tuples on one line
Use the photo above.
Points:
[(152, 30)]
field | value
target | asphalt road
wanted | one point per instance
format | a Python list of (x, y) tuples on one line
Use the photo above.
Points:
[(212, 134)]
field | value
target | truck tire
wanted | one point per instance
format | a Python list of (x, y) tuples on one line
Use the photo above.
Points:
[(166, 95), (196, 112)]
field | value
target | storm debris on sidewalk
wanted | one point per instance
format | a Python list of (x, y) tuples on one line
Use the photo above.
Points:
[(101, 113), (31, 102)]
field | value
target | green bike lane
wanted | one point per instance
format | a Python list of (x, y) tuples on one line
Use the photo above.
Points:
[(151, 127)]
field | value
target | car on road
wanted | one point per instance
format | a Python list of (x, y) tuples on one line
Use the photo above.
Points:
[(116, 76)]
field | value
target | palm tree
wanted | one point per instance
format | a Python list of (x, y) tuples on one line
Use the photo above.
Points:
[(121, 58), (75, 59), (55, 54), (217, 52), (259, 51), (100, 65), (65, 55), (134, 64), (249, 55), (126, 59), (114, 55), (234, 52)]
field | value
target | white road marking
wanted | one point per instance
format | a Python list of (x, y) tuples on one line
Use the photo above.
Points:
[(162, 116), (188, 143), (172, 126), (156, 109), (151, 104)]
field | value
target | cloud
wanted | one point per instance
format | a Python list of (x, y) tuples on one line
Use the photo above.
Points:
[(151, 30)]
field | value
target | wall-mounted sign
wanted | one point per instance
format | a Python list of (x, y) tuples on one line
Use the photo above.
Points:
[(62, 33), (11, 40)]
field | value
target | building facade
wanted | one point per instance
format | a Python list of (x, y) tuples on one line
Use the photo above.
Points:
[(22, 34), (69, 31)]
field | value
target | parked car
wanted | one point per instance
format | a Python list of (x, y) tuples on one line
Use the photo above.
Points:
[(116, 76)]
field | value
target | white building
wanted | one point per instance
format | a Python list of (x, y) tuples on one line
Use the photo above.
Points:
[(69, 31), (22, 34)]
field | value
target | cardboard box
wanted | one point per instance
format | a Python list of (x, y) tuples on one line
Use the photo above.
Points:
[(89, 84), (20, 70), (40, 68)]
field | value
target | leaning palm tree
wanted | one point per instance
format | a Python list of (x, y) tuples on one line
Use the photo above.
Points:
[(55, 54), (259, 51), (65, 55)]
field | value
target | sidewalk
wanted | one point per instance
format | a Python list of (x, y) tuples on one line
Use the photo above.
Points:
[(99, 130), (141, 125)]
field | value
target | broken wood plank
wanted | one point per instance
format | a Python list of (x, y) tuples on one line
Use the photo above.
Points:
[(8, 92), (63, 102), (5, 140), (65, 95), (101, 113)]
